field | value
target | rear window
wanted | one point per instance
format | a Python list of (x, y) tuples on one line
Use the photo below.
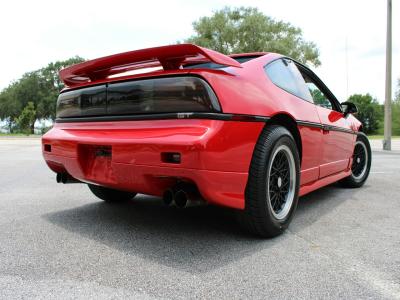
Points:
[(149, 96)]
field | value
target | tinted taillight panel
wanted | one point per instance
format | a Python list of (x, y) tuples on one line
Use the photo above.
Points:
[(90, 101), (158, 95), (161, 95)]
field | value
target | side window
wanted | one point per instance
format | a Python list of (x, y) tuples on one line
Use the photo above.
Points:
[(319, 97), (284, 74)]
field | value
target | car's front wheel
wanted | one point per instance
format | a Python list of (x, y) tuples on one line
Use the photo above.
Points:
[(361, 163), (273, 184), (110, 195)]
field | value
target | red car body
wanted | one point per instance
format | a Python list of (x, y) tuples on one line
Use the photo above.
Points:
[(215, 149)]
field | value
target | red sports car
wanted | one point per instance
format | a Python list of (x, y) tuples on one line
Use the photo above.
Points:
[(250, 131)]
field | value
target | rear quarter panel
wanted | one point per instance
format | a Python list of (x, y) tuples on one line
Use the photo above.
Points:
[(249, 91)]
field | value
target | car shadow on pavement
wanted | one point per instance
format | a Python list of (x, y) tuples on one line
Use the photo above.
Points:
[(312, 207), (195, 240)]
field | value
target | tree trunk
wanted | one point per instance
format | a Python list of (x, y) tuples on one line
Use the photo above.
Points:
[(10, 127), (33, 127)]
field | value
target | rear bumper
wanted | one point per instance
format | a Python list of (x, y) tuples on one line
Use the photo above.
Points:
[(215, 155)]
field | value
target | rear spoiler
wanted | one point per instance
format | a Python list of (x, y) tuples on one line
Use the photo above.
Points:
[(169, 57)]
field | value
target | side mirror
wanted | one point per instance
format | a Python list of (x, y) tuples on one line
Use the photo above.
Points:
[(349, 108)]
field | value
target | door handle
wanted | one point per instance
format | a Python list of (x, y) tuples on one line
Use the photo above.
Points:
[(325, 129)]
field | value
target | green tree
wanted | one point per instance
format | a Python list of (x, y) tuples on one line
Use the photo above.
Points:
[(41, 87), (27, 118), (246, 29), (9, 109), (370, 112), (53, 84)]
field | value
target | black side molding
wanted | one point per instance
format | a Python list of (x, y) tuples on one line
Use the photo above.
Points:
[(309, 124), (325, 127), (196, 115)]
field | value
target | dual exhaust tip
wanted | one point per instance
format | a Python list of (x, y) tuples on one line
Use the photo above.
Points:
[(183, 197)]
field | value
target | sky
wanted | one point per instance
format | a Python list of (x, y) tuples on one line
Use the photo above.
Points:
[(350, 34)]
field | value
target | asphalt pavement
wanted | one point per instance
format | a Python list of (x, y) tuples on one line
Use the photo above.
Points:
[(59, 241)]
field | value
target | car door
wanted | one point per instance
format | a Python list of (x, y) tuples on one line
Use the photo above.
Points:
[(284, 74), (338, 137)]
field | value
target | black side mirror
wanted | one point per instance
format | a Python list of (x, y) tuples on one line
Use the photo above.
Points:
[(349, 108)]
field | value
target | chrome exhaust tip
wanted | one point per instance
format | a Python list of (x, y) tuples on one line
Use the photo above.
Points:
[(188, 198), (66, 178), (58, 177)]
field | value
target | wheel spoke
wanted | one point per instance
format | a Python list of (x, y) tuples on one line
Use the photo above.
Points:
[(359, 160), (280, 182)]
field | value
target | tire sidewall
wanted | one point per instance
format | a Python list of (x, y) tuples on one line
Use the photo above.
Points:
[(257, 216), (363, 139), (288, 141)]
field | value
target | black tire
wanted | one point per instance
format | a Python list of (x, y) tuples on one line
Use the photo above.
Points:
[(110, 195), (361, 163), (259, 216)]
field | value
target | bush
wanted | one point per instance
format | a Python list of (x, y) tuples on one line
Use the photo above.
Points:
[(370, 112), (26, 120)]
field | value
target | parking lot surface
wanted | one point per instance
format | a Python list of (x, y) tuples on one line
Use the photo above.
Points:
[(59, 241)]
